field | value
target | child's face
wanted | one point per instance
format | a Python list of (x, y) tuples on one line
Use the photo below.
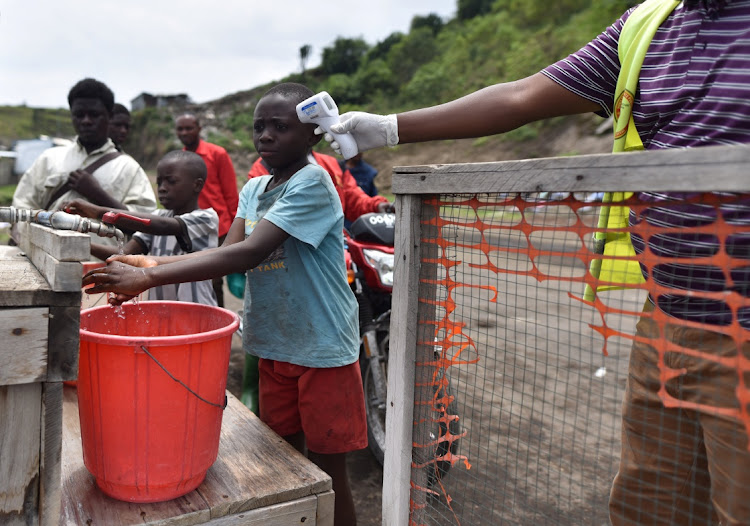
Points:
[(176, 190), (279, 136)]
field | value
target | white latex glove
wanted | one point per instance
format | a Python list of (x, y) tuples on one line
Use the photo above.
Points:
[(369, 130)]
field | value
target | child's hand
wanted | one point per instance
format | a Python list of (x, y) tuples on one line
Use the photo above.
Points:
[(124, 280), (134, 260), (83, 208)]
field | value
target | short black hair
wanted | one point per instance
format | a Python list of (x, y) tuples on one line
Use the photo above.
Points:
[(119, 109), (92, 89), (193, 163), (292, 91)]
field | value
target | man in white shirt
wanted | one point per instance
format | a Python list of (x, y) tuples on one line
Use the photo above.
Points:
[(59, 175)]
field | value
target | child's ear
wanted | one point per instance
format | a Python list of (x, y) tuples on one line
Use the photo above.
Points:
[(198, 185)]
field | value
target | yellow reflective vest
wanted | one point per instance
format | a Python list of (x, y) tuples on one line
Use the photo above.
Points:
[(635, 38)]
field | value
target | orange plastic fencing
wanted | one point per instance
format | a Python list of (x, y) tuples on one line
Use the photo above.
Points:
[(489, 250)]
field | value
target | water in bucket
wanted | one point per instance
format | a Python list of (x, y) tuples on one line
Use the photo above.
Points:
[(151, 392)]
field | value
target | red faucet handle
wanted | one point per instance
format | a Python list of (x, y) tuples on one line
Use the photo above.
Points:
[(110, 218)]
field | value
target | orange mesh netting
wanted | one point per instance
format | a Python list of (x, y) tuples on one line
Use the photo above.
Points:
[(455, 347)]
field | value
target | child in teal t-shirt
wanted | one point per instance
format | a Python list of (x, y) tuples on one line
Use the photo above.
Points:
[(300, 314)]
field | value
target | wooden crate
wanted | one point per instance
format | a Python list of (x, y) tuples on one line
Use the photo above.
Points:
[(40, 298)]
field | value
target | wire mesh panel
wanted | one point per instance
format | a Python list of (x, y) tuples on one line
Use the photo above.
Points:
[(531, 335)]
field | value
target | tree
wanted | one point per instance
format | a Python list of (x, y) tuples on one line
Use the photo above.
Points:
[(431, 21), (468, 9), (345, 56), (381, 49), (414, 50), (304, 54)]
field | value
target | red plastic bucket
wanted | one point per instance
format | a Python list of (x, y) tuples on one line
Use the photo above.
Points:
[(151, 392)]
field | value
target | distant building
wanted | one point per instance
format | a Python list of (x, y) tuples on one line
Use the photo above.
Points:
[(146, 100)]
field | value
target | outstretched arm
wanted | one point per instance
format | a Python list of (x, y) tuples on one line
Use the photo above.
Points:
[(198, 266), (159, 225), (491, 110)]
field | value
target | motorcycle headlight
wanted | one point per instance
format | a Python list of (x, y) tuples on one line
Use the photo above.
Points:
[(382, 262)]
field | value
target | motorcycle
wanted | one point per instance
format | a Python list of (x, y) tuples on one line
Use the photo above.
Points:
[(370, 264)]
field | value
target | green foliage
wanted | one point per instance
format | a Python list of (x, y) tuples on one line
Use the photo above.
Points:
[(468, 9), (374, 77), (344, 56), (221, 140), (344, 89), (6, 194), (410, 53), (433, 22), (240, 126), (22, 122), (152, 136), (427, 85), (381, 49)]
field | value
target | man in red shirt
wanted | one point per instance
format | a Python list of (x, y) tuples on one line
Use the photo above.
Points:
[(354, 200), (220, 190)]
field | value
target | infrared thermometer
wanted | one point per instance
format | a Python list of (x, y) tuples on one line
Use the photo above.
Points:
[(321, 110)]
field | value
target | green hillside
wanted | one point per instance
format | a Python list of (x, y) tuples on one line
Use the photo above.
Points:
[(22, 122), (436, 61)]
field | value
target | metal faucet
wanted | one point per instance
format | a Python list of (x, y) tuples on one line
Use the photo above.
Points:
[(60, 220)]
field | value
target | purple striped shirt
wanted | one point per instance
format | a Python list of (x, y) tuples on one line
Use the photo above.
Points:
[(694, 90)]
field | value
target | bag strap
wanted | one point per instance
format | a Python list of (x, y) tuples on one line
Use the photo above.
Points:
[(101, 161), (635, 38)]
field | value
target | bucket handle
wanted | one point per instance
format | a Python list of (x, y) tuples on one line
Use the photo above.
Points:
[(199, 397)]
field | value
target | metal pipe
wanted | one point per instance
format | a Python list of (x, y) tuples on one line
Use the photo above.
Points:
[(60, 220)]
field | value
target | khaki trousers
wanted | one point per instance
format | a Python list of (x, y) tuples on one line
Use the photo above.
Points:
[(681, 466)]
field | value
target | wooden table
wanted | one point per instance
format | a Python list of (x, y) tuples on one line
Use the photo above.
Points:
[(258, 479), (39, 318)]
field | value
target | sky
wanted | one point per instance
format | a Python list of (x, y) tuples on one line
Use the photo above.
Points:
[(164, 47)]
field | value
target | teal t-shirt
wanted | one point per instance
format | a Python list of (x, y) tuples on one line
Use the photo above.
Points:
[(298, 304)]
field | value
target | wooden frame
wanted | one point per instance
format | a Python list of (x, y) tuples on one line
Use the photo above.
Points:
[(39, 318), (717, 168)]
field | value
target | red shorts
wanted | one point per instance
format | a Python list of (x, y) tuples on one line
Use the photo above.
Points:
[(327, 404)]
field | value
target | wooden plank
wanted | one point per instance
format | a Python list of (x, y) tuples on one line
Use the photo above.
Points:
[(63, 245), (255, 469), (23, 236), (22, 285), (400, 405), (300, 511), (23, 345), (326, 505), (61, 275), (715, 168), (50, 487), (20, 411), (83, 504), (7, 251), (64, 329)]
